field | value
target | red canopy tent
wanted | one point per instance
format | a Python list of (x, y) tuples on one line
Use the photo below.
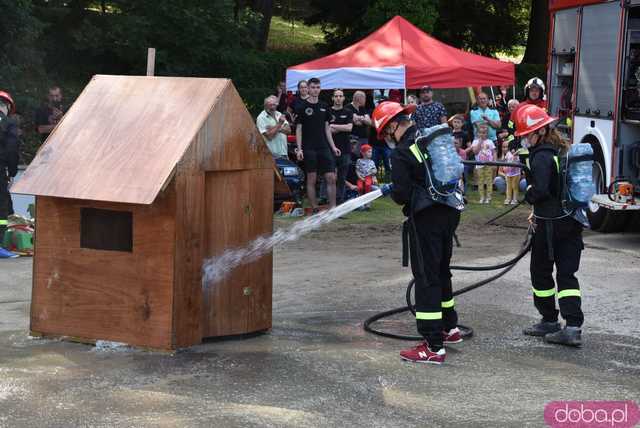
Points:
[(399, 55)]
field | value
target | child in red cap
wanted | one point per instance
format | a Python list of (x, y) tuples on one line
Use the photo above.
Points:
[(366, 170)]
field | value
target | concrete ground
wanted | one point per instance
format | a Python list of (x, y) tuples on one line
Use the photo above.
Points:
[(317, 367)]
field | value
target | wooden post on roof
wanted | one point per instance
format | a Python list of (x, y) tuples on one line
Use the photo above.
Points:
[(151, 61)]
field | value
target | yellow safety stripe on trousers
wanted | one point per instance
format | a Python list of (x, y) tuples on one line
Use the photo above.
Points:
[(448, 303), (416, 152), (544, 293), (568, 293), (428, 315), (3, 222)]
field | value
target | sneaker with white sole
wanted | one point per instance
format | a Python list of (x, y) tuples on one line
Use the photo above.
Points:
[(452, 336), (422, 354)]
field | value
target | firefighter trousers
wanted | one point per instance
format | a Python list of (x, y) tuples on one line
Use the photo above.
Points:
[(559, 243), (430, 253)]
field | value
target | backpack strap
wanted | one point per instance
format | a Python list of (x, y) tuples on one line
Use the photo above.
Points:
[(581, 158)]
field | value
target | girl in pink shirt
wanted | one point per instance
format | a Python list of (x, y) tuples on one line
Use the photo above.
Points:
[(485, 151)]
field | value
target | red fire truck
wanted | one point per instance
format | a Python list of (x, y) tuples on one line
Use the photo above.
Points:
[(593, 85)]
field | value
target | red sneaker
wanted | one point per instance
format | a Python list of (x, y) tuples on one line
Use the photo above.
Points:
[(422, 354), (452, 336)]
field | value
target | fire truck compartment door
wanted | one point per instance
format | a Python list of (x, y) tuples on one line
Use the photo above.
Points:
[(598, 59), (565, 30)]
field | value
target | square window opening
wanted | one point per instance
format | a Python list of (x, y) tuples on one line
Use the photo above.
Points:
[(106, 229)]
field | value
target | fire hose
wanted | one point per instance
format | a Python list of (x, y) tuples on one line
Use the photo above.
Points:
[(465, 331), (505, 267)]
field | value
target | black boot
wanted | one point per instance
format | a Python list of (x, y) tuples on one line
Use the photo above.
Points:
[(569, 336), (542, 328)]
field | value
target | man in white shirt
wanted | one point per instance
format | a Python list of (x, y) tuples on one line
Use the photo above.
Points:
[(274, 127)]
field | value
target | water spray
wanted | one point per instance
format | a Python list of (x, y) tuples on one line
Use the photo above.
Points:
[(217, 268)]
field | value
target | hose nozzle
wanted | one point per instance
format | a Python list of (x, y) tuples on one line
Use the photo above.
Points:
[(386, 189)]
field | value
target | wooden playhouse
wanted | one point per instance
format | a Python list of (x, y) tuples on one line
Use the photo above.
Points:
[(143, 180)]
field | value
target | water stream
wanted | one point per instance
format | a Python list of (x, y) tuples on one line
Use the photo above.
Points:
[(217, 268)]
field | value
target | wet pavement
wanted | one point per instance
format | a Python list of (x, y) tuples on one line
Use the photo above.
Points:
[(317, 367)]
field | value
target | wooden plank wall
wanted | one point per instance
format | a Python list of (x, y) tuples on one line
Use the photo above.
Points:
[(261, 271), (239, 209), (190, 226), (226, 227), (110, 295), (233, 141)]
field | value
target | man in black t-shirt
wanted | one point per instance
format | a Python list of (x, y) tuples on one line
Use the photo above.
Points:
[(48, 116), (361, 118), (315, 144), (341, 125)]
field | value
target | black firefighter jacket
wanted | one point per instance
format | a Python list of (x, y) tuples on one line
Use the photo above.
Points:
[(9, 153)]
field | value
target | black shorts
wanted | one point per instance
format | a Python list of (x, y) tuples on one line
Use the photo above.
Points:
[(321, 161)]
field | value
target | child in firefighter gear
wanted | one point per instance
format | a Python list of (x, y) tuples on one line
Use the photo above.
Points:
[(534, 92), (8, 157), (431, 231), (558, 236)]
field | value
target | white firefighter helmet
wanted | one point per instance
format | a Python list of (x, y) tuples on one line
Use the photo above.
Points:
[(535, 81)]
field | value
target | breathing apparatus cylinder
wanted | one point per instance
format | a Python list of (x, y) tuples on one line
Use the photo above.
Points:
[(580, 174), (445, 161)]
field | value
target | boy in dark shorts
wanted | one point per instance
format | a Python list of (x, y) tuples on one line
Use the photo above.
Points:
[(315, 144)]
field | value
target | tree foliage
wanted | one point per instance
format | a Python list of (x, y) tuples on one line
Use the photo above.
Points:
[(65, 42), (19, 31), (481, 26), (422, 13)]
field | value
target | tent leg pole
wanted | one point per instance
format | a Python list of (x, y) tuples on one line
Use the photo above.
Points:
[(405, 96), (493, 96)]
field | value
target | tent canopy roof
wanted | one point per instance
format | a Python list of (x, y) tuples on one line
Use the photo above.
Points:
[(400, 48), (122, 138)]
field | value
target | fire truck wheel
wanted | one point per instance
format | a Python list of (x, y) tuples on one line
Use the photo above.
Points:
[(634, 222), (607, 221)]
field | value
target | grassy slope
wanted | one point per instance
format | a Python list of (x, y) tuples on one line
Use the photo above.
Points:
[(283, 35), (385, 211)]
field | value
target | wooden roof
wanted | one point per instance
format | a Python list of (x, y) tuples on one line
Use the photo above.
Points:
[(122, 138)]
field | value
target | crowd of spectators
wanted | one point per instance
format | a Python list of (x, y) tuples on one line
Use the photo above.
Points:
[(332, 142)]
